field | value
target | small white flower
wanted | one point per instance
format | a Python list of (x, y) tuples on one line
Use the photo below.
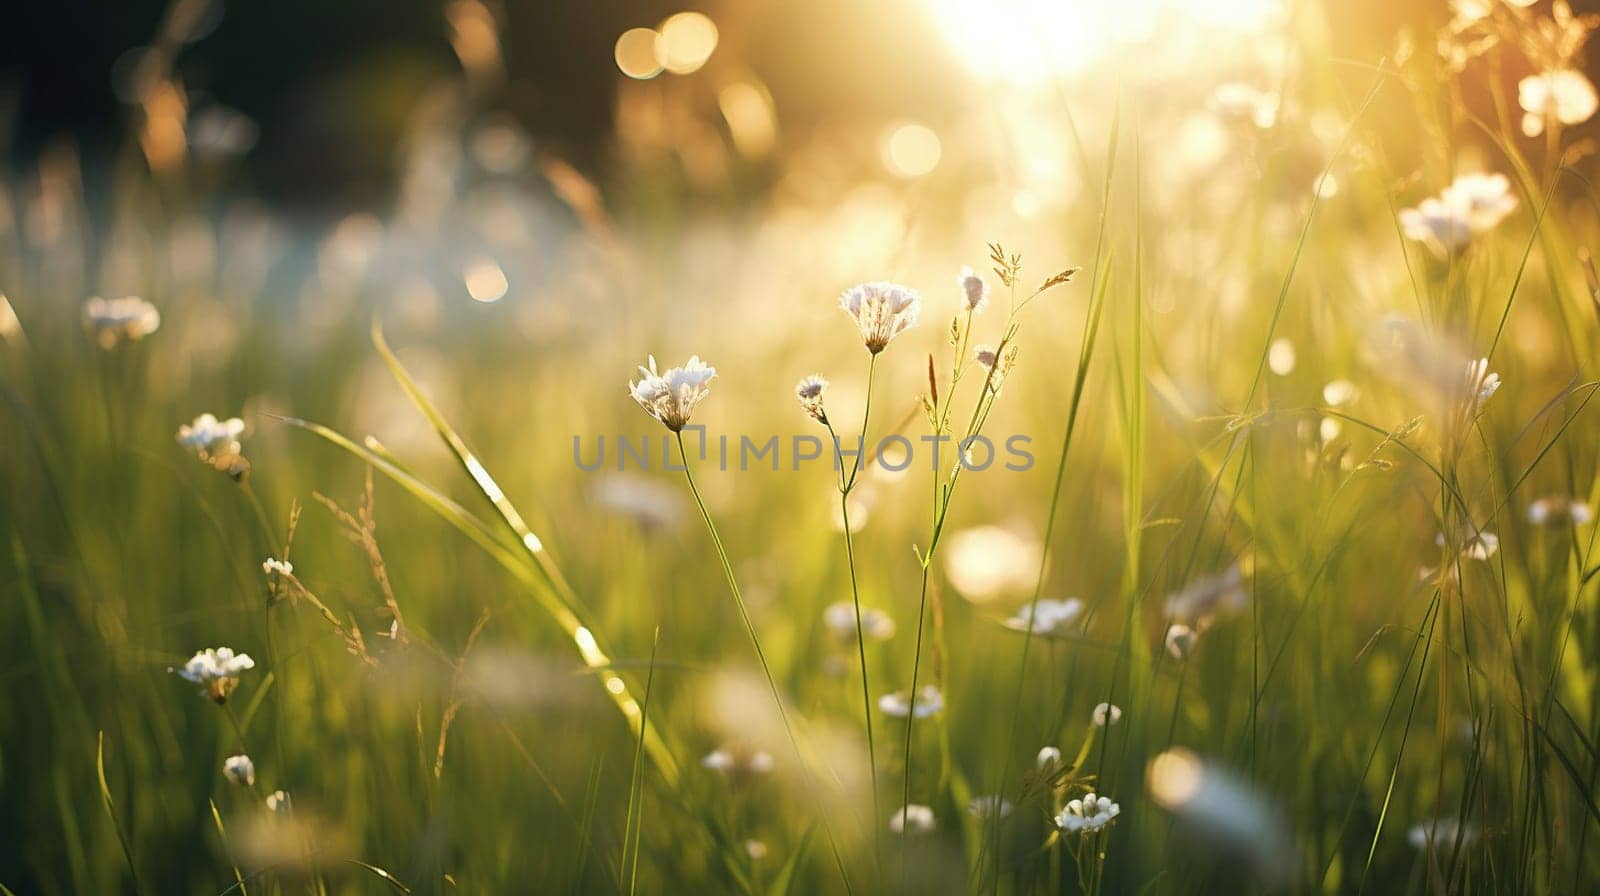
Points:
[(985, 356), (113, 321), (278, 801), (809, 392), (1564, 95), (1473, 204), (671, 397), (1441, 225), (985, 806), (1209, 597), (217, 670), (1048, 759), (1481, 384), (1180, 640), (1475, 545), (240, 770), (1444, 834), (737, 760), (274, 567), (1485, 198), (912, 819), (1558, 509), (1090, 814), (974, 289), (840, 618), (929, 701), (1050, 617), (882, 310), (755, 849), (1106, 714), (208, 436), (1242, 102)]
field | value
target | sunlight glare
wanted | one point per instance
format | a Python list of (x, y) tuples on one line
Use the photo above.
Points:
[(1029, 41)]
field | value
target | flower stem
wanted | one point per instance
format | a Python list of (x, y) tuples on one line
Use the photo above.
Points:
[(761, 656), (846, 486)]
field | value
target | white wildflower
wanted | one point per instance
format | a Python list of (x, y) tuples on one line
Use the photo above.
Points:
[(1048, 759), (840, 618), (1475, 545), (278, 801), (274, 567), (974, 289), (1481, 384), (882, 311), (809, 392), (1209, 597), (912, 819), (217, 670), (1088, 815), (114, 321), (986, 806), (1049, 617), (929, 701), (1106, 714), (1565, 96), (1180, 640), (1339, 392), (671, 397), (240, 770), (738, 760), (208, 436), (1445, 834), (1559, 509)]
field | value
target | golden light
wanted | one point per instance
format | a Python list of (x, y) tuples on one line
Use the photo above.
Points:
[(485, 281), (1029, 41), (748, 110), (911, 150), (687, 41), (636, 53)]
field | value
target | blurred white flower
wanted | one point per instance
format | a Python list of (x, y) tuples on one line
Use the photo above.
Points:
[(1486, 198), (648, 502), (1444, 833), (1106, 714), (929, 701), (217, 670), (274, 567), (985, 355), (1090, 814), (1559, 509), (671, 397), (1241, 102), (912, 819), (208, 436), (278, 801), (809, 392), (114, 321), (985, 806), (974, 289), (840, 618), (1049, 617), (882, 310), (240, 770), (1048, 758), (1473, 204), (738, 760), (755, 849), (1180, 640), (1565, 95), (1207, 598), (1481, 385), (1474, 545)]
